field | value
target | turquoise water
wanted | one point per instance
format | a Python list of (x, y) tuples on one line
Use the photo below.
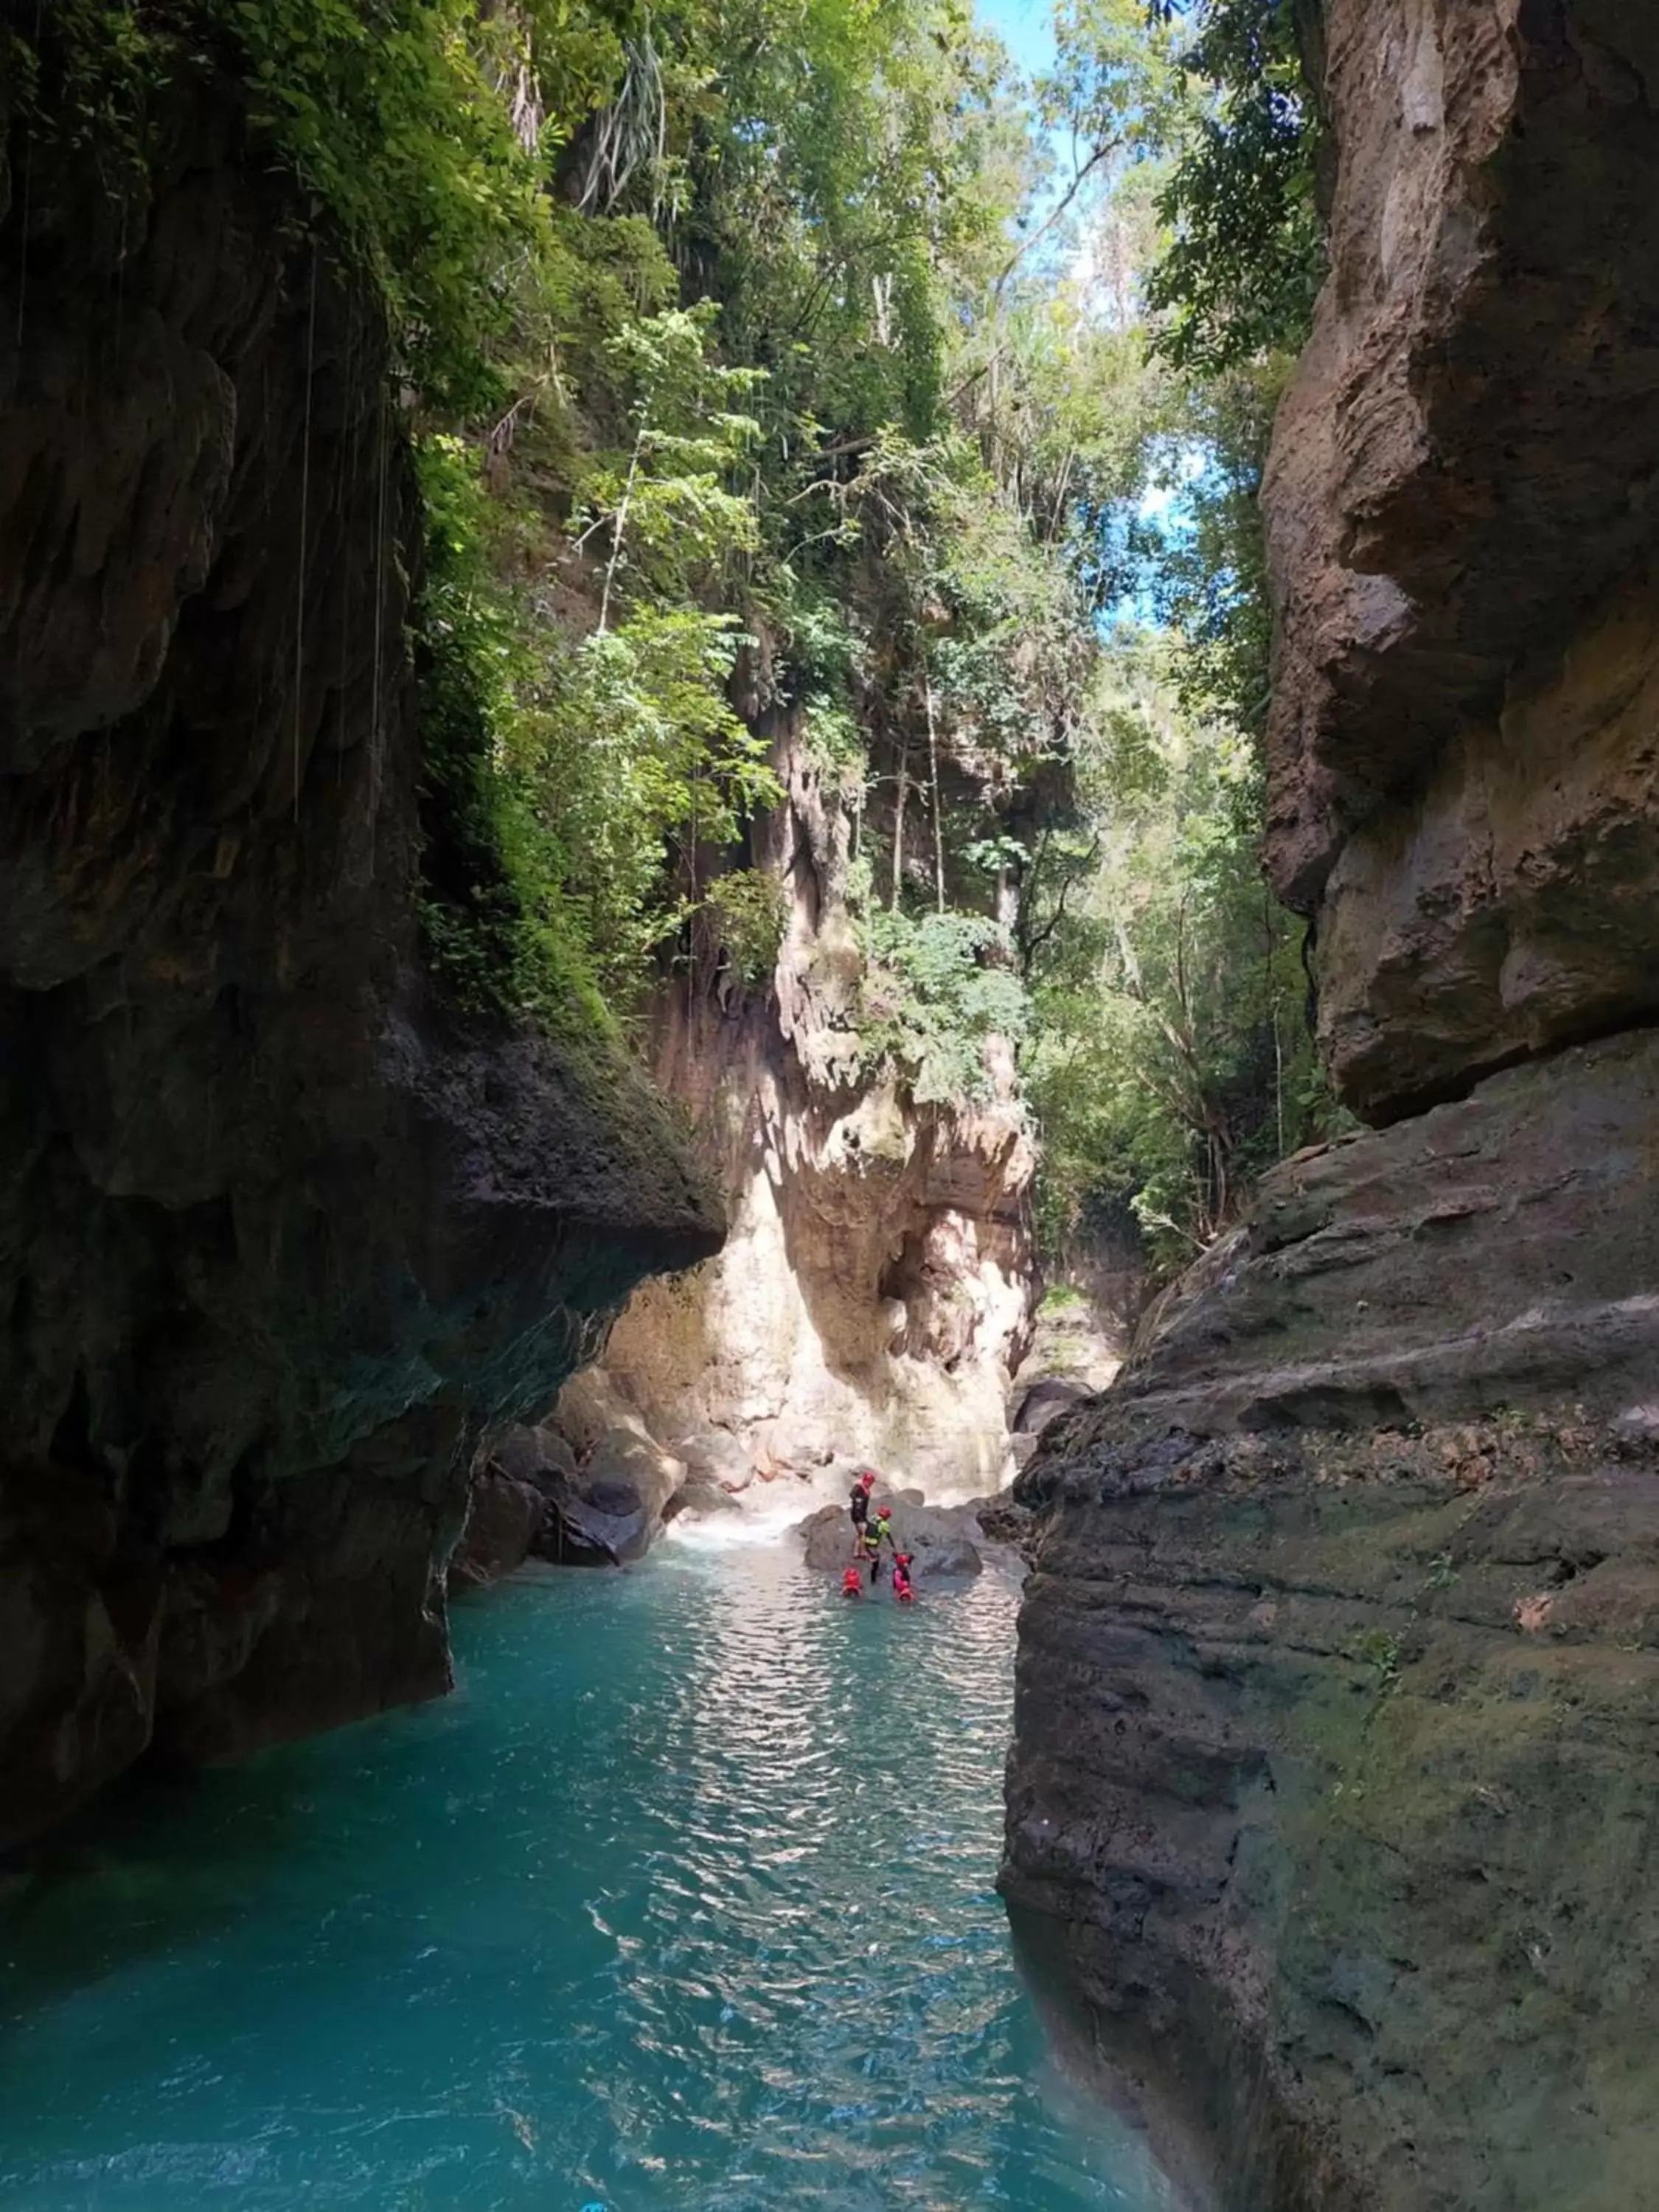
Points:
[(683, 1903)]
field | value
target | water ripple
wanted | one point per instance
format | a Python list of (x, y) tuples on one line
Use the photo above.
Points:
[(683, 1903)]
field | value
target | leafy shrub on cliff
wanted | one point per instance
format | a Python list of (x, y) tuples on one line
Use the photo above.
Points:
[(747, 908), (390, 112), (938, 990), (1246, 254)]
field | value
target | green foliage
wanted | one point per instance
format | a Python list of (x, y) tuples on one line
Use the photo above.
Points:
[(1172, 1063), (1208, 570), (556, 782), (742, 367), (936, 991), (1381, 1652), (631, 742), (749, 912), (496, 924), (1247, 257), (389, 113)]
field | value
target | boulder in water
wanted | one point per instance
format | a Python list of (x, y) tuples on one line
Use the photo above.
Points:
[(617, 1501), (530, 1497), (940, 1538), (504, 1521), (701, 1500)]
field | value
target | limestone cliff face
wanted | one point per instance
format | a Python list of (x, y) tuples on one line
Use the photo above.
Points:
[(875, 1290), (1461, 531), (277, 1238), (1332, 1808)]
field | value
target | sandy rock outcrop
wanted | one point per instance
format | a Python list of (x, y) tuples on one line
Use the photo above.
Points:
[(1462, 537), (1333, 1789), (277, 1238), (875, 1291)]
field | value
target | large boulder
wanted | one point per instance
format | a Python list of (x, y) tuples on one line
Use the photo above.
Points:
[(1045, 1401), (716, 1456), (504, 1524), (701, 1500), (942, 1540), (617, 1500)]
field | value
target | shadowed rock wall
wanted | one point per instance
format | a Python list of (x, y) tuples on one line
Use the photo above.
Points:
[(1332, 1808), (276, 1239), (1462, 531)]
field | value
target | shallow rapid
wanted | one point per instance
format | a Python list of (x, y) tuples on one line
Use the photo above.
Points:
[(682, 1903)]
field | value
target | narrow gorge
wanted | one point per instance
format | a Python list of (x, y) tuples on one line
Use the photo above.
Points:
[(735, 738)]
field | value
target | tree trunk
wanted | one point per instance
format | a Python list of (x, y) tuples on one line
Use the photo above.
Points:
[(899, 824), (938, 819)]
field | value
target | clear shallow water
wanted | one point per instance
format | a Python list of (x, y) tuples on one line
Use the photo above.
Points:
[(683, 1903)]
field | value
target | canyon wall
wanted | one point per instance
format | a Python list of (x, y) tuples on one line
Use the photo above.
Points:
[(1332, 1812), (279, 1237), (875, 1293)]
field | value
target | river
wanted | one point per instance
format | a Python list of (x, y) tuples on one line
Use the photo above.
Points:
[(682, 1903)]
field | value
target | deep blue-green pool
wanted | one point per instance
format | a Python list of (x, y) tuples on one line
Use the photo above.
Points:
[(681, 1904)]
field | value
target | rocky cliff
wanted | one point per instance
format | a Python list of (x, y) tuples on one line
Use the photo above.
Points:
[(277, 1235), (1331, 1810), (875, 1293)]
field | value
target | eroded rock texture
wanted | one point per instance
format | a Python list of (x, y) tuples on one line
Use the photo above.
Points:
[(1332, 1809), (1462, 529), (276, 1241), (874, 1295), (1335, 1796)]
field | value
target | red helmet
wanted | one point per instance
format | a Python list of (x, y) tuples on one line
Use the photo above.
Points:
[(868, 1479), (883, 1512)]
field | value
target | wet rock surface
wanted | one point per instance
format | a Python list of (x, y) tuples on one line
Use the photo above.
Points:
[(941, 1540), (1333, 1803), (277, 1236), (1045, 1401)]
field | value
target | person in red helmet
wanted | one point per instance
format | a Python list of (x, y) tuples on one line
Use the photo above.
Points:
[(857, 1505), (903, 1589), (852, 1583)]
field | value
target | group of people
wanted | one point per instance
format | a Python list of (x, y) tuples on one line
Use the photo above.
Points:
[(872, 1536)]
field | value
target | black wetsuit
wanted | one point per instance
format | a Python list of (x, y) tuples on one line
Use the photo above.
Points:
[(858, 1506)]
